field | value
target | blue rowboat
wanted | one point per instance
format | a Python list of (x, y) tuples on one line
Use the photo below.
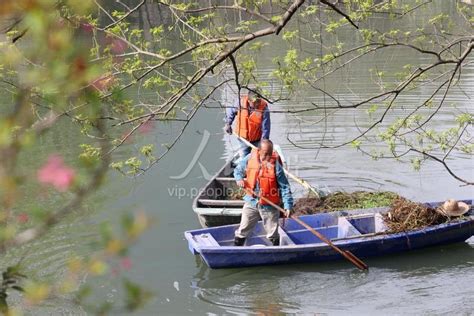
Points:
[(362, 232)]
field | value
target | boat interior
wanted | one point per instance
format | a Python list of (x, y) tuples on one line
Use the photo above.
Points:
[(217, 191), (331, 226)]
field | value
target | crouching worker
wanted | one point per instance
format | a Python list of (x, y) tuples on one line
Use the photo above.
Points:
[(264, 177)]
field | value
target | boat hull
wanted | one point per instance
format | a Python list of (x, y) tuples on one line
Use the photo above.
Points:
[(364, 248), (212, 220), (364, 234)]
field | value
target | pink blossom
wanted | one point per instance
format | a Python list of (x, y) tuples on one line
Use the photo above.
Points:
[(56, 173), (102, 83), (146, 127), (126, 263), (87, 27), (61, 23), (22, 218), (118, 46)]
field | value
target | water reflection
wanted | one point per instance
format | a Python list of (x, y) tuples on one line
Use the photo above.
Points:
[(411, 283), (254, 290), (444, 259), (337, 286)]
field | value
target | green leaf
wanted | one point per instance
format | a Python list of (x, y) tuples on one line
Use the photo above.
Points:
[(309, 10), (127, 222), (135, 295), (147, 150), (90, 155), (356, 144), (416, 164), (118, 165), (83, 293), (372, 109), (465, 118), (106, 233), (275, 18), (157, 31), (289, 35)]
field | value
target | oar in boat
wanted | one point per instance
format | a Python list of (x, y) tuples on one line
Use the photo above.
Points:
[(345, 253), (288, 173)]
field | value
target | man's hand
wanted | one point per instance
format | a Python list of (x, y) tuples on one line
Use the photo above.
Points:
[(240, 183), (288, 213), (228, 129)]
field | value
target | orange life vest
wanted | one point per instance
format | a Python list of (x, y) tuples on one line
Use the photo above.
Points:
[(265, 174), (250, 126)]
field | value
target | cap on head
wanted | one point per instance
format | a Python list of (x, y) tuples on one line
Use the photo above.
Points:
[(253, 91)]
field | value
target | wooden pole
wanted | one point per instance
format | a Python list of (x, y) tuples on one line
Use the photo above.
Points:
[(345, 253)]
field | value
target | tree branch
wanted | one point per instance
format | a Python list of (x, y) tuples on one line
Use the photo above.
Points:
[(336, 9)]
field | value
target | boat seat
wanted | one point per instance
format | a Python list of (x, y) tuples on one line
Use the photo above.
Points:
[(206, 240), (221, 203), (379, 223), (368, 223), (346, 229), (285, 240), (225, 179)]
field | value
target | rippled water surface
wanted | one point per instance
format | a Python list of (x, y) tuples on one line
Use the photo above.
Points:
[(433, 281)]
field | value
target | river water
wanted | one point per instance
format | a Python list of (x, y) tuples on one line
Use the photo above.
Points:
[(431, 281)]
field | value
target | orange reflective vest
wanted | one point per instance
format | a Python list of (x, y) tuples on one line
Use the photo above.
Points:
[(250, 126), (265, 174)]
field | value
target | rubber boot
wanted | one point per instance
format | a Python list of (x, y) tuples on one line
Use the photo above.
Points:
[(275, 241), (239, 241)]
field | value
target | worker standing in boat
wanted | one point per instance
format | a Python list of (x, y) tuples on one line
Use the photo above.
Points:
[(264, 177), (252, 120)]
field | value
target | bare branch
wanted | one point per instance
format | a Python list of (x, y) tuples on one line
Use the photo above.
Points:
[(124, 16), (336, 9), (221, 7), (441, 161), (287, 16)]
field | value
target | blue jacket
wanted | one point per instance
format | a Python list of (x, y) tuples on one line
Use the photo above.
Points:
[(283, 185), (231, 112)]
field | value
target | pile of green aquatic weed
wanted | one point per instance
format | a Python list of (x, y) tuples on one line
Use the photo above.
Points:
[(343, 201)]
